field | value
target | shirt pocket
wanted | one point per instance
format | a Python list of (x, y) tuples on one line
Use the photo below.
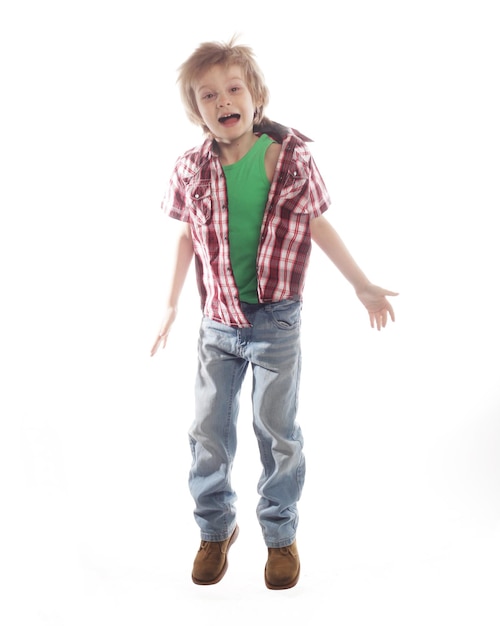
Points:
[(294, 187), (199, 196)]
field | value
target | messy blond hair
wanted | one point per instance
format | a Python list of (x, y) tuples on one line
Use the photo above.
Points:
[(217, 53)]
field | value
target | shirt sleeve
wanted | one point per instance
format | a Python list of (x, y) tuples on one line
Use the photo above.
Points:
[(319, 198), (174, 201)]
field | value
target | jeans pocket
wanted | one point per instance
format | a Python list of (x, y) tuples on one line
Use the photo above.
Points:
[(286, 315)]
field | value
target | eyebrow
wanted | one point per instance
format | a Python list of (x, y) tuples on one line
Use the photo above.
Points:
[(201, 87)]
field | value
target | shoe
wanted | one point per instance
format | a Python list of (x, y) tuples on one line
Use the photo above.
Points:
[(210, 563), (283, 567)]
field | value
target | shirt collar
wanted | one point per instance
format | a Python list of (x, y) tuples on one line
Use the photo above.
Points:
[(276, 131)]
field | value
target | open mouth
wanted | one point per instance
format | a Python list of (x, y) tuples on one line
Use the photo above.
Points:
[(230, 118)]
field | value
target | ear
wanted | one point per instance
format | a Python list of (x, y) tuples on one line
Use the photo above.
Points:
[(257, 110)]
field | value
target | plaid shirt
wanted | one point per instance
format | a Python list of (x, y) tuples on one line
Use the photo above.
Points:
[(197, 194)]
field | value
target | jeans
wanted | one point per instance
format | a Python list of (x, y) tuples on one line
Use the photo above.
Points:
[(272, 347)]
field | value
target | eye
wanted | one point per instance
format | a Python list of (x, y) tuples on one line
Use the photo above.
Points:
[(207, 96)]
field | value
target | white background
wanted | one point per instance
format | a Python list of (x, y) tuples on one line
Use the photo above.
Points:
[(401, 508)]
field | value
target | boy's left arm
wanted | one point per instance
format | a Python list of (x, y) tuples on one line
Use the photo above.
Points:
[(372, 296)]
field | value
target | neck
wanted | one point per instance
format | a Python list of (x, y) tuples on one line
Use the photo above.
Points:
[(231, 152)]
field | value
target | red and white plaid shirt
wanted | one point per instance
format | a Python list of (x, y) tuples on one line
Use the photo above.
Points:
[(197, 194)]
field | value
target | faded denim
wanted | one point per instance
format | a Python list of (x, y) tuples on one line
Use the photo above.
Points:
[(272, 347)]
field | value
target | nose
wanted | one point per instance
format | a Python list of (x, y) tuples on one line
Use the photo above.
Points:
[(223, 100)]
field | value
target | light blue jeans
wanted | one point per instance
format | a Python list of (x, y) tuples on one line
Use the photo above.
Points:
[(272, 347)]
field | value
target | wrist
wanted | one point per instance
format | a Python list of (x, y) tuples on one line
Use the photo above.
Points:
[(361, 285)]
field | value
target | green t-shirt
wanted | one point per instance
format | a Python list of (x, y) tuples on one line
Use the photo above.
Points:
[(247, 190)]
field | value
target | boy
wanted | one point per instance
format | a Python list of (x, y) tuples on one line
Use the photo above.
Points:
[(250, 200)]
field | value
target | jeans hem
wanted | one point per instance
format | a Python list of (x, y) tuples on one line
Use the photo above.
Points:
[(282, 543), (222, 536)]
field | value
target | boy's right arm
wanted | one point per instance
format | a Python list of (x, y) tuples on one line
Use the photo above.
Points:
[(182, 260)]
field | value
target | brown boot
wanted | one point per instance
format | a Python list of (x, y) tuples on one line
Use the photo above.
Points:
[(210, 563), (283, 567)]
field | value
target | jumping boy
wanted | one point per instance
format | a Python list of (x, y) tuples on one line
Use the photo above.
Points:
[(250, 200)]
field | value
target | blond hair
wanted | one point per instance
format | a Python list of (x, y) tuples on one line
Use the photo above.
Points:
[(217, 53)]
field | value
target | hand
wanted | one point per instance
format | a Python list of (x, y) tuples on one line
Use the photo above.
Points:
[(378, 307), (167, 322)]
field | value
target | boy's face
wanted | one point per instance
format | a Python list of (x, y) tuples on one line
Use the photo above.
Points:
[(225, 102)]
